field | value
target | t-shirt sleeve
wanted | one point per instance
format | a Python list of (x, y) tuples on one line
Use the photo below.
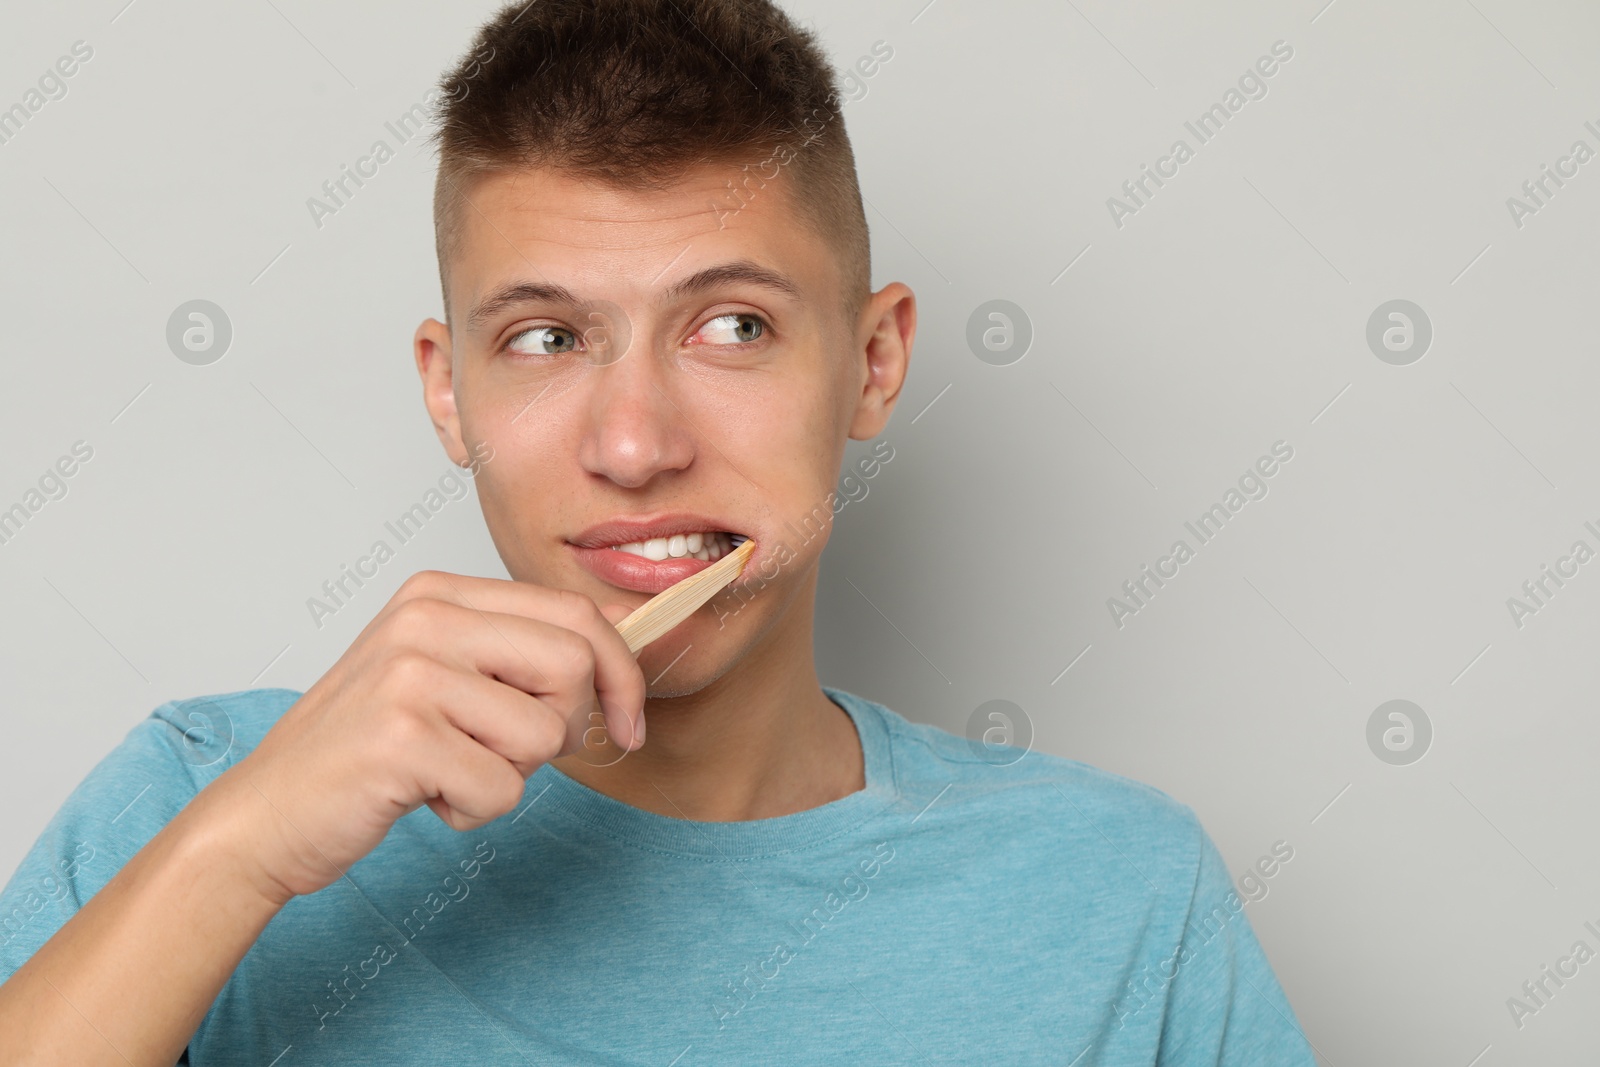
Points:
[(1225, 1007), (119, 806)]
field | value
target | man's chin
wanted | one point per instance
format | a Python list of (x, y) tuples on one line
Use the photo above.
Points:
[(701, 649), (690, 658), (706, 646)]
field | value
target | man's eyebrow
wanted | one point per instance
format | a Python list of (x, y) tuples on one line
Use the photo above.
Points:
[(742, 270), (519, 293)]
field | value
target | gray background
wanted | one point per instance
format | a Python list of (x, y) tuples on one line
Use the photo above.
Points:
[(1169, 354)]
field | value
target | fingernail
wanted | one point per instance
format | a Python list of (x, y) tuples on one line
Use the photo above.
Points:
[(638, 739)]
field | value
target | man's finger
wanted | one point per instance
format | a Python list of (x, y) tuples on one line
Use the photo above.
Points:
[(618, 682)]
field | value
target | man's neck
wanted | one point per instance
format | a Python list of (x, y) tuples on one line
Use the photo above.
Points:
[(761, 741)]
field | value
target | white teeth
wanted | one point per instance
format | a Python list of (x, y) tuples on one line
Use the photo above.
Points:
[(708, 546)]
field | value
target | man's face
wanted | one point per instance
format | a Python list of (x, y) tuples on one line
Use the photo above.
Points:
[(719, 408)]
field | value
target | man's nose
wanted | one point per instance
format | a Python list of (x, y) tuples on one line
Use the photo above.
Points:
[(635, 427)]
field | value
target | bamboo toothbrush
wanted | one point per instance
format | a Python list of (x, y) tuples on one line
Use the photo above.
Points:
[(674, 604)]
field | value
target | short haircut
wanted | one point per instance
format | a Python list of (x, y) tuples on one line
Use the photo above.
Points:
[(635, 92)]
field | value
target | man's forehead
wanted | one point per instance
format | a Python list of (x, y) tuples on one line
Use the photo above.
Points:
[(539, 220)]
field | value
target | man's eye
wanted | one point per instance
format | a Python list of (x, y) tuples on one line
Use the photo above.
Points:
[(543, 341), (733, 328)]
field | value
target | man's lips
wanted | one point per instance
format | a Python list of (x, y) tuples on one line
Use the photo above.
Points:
[(627, 571), (595, 552)]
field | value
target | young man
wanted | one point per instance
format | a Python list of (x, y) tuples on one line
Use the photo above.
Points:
[(659, 334)]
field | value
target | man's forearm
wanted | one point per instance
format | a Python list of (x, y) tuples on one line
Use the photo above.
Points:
[(129, 977)]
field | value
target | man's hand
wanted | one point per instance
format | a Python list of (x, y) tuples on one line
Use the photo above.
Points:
[(452, 696)]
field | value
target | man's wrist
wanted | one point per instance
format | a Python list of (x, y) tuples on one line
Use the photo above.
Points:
[(220, 837)]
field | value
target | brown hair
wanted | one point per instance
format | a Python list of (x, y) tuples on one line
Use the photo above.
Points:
[(635, 92)]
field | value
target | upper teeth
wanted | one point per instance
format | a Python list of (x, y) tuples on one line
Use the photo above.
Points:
[(703, 546)]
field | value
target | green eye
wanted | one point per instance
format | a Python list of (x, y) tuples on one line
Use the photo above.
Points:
[(543, 341), (734, 328)]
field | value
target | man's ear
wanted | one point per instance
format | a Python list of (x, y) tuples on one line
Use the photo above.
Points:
[(882, 355), (432, 345)]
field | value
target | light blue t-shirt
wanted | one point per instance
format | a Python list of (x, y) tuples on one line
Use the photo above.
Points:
[(965, 907)]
